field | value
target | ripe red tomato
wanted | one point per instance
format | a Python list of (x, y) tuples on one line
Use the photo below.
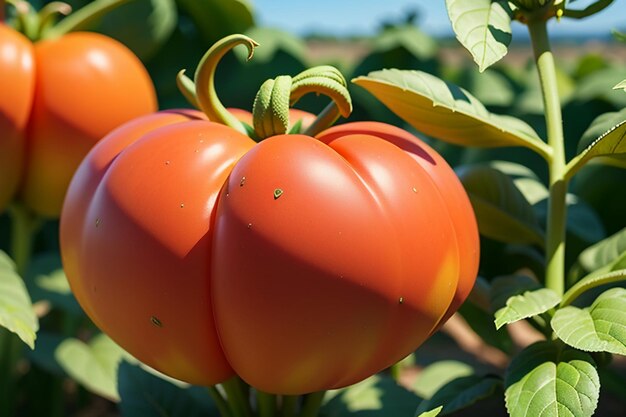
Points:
[(64, 94), (298, 263)]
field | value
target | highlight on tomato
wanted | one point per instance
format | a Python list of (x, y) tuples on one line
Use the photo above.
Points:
[(61, 93), (300, 259)]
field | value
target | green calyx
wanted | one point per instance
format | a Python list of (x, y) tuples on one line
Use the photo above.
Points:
[(275, 97), (273, 100), (45, 24)]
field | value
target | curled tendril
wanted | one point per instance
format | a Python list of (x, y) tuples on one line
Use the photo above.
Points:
[(187, 88), (206, 94)]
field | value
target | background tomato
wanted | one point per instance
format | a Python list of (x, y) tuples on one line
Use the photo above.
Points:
[(17, 83)]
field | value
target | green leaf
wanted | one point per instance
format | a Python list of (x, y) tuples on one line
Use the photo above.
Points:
[(43, 356), (528, 304), (599, 85), (408, 37), (530, 100), (481, 322), (603, 253), (524, 179), (272, 41), (483, 27), (596, 279), (144, 395), (620, 86), (606, 136), (432, 413), (46, 280), (16, 309), (447, 112), (438, 374), (377, 396), (490, 87), (501, 210), (542, 381), (505, 287), (598, 328), (461, 393), (93, 365), (218, 18)]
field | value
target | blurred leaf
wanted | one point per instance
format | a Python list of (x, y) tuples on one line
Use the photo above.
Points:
[(599, 85), (501, 210), (93, 365), (218, 18), (16, 309), (481, 322), (590, 63), (620, 86), (432, 413), (530, 100), (461, 393), (524, 179), (598, 328), (447, 112), (605, 137), (490, 87), (505, 287), (604, 252), (142, 25), (528, 304), (271, 41), (619, 35), (483, 27), (408, 37), (43, 356), (377, 396), (145, 395), (46, 280), (438, 374)]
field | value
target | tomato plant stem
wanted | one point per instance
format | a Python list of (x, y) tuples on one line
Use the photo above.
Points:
[(289, 405), (81, 19), (220, 402), (312, 404), (237, 400), (557, 209), (266, 404)]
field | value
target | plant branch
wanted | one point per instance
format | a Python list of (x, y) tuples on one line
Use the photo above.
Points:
[(82, 18), (220, 401), (557, 209), (312, 404), (237, 400), (289, 406)]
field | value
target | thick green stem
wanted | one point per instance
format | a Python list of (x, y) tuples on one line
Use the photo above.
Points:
[(238, 401), (81, 19), (557, 209), (312, 404), (204, 78), (220, 402), (266, 404), (289, 405)]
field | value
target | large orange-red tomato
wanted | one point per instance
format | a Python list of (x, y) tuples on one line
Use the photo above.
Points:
[(59, 97), (298, 263)]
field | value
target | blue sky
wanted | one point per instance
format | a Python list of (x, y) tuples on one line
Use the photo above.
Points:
[(362, 17)]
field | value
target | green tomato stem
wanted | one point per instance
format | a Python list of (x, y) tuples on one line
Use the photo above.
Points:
[(220, 401), (557, 209), (81, 19), (266, 404), (187, 88), (589, 10), (206, 95), (237, 399), (325, 119), (312, 404), (289, 405)]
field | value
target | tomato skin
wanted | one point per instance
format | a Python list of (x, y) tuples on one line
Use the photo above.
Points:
[(136, 239), (17, 84), (457, 202)]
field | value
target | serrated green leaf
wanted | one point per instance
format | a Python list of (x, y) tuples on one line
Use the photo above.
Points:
[(432, 413), (483, 27), (16, 309), (438, 374), (145, 395), (447, 112), (598, 328), (606, 136), (461, 393), (377, 396), (526, 305), (501, 210), (93, 365), (544, 381)]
